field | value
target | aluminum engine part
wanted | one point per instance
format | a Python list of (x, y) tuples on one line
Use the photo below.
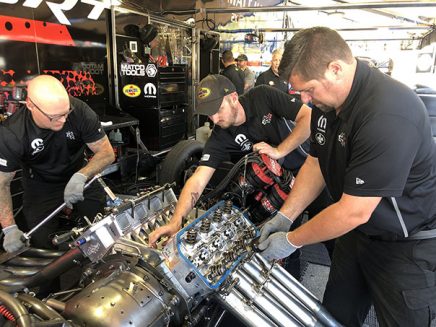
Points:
[(203, 254), (125, 298), (137, 216)]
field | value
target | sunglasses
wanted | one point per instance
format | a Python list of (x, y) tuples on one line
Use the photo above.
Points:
[(52, 117)]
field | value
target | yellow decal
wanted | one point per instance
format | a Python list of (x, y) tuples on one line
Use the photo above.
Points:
[(204, 92), (131, 90)]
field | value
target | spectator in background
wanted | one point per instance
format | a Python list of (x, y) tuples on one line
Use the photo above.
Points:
[(250, 78), (271, 76), (233, 73)]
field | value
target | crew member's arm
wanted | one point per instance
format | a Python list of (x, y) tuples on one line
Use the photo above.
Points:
[(103, 157), (300, 134), (188, 198), (336, 220), (6, 213), (12, 240)]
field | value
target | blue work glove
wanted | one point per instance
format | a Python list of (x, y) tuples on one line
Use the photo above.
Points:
[(277, 247), (12, 241), (279, 223), (74, 190)]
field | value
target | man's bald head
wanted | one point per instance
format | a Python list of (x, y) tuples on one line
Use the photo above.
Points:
[(48, 92)]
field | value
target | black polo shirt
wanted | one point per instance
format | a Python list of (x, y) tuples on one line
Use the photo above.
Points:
[(271, 79), (380, 145), (43, 154), (237, 77), (269, 118)]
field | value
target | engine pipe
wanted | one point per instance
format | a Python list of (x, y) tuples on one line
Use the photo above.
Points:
[(40, 308), (19, 311)]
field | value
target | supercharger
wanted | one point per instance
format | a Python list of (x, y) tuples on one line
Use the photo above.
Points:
[(211, 263)]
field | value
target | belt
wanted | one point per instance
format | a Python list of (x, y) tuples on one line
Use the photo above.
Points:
[(421, 235)]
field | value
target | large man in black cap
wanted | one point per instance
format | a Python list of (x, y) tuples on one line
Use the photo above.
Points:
[(242, 124)]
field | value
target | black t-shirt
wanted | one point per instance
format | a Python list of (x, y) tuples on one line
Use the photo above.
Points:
[(269, 117), (237, 77), (380, 145), (43, 154), (271, 79)]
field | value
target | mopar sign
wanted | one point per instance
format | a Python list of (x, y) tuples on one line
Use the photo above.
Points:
[(131, 90), (150, 90)]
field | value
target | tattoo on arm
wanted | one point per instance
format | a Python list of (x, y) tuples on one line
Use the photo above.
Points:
[(194, 198), (103, 156), (6, 213)]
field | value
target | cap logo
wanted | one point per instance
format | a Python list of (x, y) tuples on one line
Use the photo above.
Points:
[(226, 90), (204, 92)]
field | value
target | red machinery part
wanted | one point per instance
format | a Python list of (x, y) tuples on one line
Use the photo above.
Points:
[(6, 313)]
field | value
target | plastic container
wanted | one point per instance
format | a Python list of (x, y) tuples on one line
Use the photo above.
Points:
[(202, 133)]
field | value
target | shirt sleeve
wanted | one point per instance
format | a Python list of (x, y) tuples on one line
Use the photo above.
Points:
[(381, 157), (214, 152), (10, 158), (90, 126), (282, 104)]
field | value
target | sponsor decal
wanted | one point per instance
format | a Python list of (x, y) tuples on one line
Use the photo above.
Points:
[(150, 90), (37, 146), (132, 69), (243, 142), (93, 68), (342, 138), (205, 157), (70, 135), (131, 90), (95, 10), (3, 162), (151, 70), (359, 181), (267, 119), (204, 92), (322, 123), (320, 138)]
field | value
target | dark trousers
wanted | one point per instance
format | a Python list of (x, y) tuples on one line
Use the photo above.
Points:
[(398, 278), (40, 199)]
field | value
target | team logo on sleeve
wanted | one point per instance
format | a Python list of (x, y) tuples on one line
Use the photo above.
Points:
[(320, 138), (267, 119), (243, 142), (37, 146)]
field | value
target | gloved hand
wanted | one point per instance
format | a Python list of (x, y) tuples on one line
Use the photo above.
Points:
[(279, 223), (277, 247), (12, 241), (74, 190)]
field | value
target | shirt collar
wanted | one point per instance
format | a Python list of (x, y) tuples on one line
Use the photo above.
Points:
[(359, 81)]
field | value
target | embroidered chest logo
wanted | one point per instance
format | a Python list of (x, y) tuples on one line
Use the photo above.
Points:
[(321, 127), (342, 138), (70, 135), (267, 119), (37, 146), (243, 142)]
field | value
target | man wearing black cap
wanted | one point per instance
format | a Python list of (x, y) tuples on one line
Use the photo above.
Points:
[(242, 124), (250, 78), (233, 73)]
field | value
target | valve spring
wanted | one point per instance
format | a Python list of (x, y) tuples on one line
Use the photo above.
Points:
[(205, 226), (217, 216), (249, 233), (230, 255), (239, 244), (216, 270), (228, 207), (191, 236)]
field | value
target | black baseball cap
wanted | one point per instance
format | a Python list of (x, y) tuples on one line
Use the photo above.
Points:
[(242, 57), (211, 92)]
